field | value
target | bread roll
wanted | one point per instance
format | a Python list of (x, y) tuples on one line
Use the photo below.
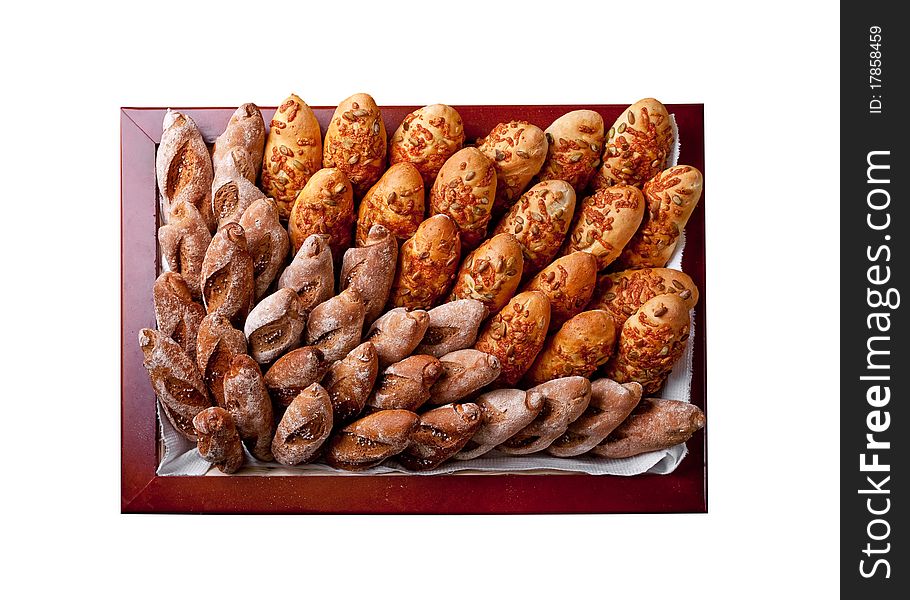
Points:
[(491, 273), (293, 152), (406, 384), (426, 138), (370, 270), (267, 242), (426, 264), (605, 223), (396, 202), (504, 412), (367, 442), (335, 325), (655, 424), (355, 142), (564, 401), (232, 192), (440, 434), (304, 427), (217, 345), (218, 440), (452, 326), (177, 315), (311, 273), (183, 240), (516, 334), (637, 146), (568, 282), (350, 380), (183, 167), (294, 372), (465, 190), (325, 205), (574, 144), (247, 399), (227, 275), (275, 325), (583, 344), (518, 150), (243, 139), (396, 334), (610, 404), (463, 373)]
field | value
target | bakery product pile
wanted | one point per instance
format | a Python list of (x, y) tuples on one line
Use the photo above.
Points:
[(361, 296)]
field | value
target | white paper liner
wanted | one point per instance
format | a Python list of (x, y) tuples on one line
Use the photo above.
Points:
[(181, 457)]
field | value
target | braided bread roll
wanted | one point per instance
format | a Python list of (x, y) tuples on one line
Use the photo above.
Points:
[(564, 401), (367, 442), (505, 412), (217, 439), (611, 403), (305, 426), (440, 434)]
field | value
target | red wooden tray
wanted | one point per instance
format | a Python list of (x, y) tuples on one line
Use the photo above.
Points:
[(142, 491)]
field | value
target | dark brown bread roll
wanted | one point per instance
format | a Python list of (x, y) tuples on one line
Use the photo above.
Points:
[(305, 426), (243, 139), (247, 399), (267, 242), (228, 283), (367, 442), (217, 345), (564, 401), (350, 380), (184, 240), (440, 434), (294, 372), (370, 269), (654, 425), (611, 403), (183, 167), (453, 326), (504, 412), (178, 316), (396, 334), (218, 440), (275, 325), (335, 325), (311, 273), (463, 373), (406, 384)]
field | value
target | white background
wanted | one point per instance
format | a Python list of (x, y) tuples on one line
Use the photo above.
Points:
[(767, 73)]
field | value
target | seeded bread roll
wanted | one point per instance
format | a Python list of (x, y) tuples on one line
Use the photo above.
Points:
[(406, 384), (564, 401), (305, 426), (396, 202), (568, 283), (452, 326), (671, 196), (655, 424), (294, 372), (217, 345), (325, 205), (426, 264), (275, 325), (605, 223), (463, 373), (574, 144), (426, 138), (350, 380), (610, 404), (370, 270), (367, 442), (184, 240), (218, 440), (183, 167), (440, 434), (583, 344), (491, 273), (243, 139), (335, 325), (355, 142), (396, 334), (227, 275), (516, 335), (637, 146), (539, 221), (311, 273), (267, 242), (177, 315), (651, 342), (518, 150), (465, 190), (622, 293), (232, 192), (504, 412), (174, 378), (247, 399), (293, 152)]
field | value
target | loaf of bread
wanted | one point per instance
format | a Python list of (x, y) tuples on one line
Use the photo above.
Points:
[(671, 197), (304, 427), (426, 264), (218, 440), (293, 152), (463, 373), (579, 347), (370, 269), (651, 342), (183, 167), (574, 145), (406, 384), (605, 223), (294, 372), (174, 378), (217, 345), (539, 221), (177, 314), (564, 401), (655, 424), (311, 273), (350, 380), (518, 150), (335, 325), (465, 190), (426, 138), (267, 242), (355, 142), (637, 146), (491, 273), (183, 241), (275, 325), (243, 139), (232, 192), (610, 404), (227, 275), (396, 333), (325, 206), (504, 412), (439, 435), (568, 282), (247, 399), (516, 335), (396, 202), (452, 326), (367, 442)]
